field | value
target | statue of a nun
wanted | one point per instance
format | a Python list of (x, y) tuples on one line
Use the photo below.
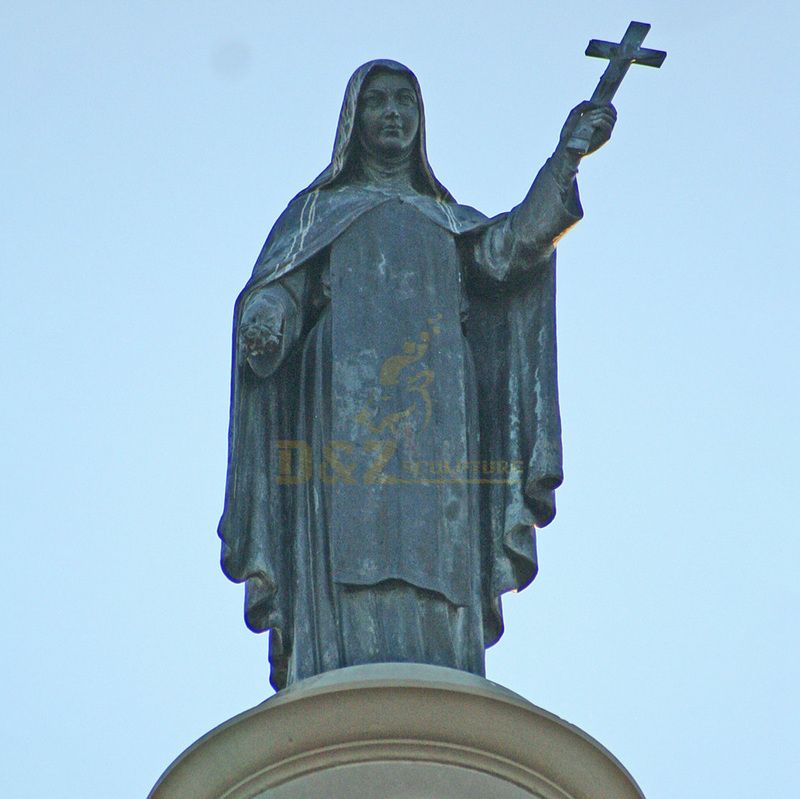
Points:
[(394, 432)]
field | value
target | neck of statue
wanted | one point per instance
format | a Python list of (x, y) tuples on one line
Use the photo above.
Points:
[(387, 171)]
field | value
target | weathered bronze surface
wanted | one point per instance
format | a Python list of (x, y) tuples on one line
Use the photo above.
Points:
[(394, 433)]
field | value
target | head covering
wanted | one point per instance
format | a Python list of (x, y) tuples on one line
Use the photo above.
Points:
[(344, 142)]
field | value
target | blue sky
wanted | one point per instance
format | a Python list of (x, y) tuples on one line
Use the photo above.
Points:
[(148, 148)]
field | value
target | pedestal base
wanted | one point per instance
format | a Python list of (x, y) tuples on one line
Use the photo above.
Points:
[(396, 731)]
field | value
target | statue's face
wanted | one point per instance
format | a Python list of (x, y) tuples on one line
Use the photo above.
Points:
[(388, 114)]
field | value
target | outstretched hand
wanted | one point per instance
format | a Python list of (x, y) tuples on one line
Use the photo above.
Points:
[(259, 340), (261, 329), (600, 119)]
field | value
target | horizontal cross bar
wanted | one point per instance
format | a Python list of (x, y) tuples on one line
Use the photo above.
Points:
[(609, 50)]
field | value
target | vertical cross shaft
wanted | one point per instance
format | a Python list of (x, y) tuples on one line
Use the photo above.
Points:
[(620, 57)]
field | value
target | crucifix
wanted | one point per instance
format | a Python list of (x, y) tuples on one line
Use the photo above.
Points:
[(620, 57)]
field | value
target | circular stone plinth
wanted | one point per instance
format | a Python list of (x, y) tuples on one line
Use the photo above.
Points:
[(396, 731)]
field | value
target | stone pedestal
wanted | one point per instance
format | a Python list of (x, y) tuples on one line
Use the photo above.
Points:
[(396, 731)]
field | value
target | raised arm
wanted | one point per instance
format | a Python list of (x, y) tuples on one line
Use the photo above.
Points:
[(525, 238)]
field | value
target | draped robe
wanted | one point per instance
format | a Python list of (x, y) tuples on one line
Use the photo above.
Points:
[(306, 546), (389, 463)]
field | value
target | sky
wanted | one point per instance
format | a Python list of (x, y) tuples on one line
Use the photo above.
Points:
[(148, 148)]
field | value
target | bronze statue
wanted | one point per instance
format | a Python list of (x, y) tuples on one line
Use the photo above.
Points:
[(394, 433)]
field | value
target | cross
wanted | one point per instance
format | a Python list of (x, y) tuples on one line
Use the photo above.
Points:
[(620, 57)]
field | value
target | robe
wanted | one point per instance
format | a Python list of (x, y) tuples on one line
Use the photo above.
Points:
[(389, 463)]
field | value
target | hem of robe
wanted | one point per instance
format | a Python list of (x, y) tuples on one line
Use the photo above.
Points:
[(393, 622)]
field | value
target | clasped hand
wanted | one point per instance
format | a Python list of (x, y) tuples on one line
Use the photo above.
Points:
[(601, 118)]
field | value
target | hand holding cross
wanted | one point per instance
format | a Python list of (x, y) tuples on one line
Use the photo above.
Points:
[(620, 57)]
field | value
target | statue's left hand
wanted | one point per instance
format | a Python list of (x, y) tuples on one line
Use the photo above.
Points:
[(601, 119)]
